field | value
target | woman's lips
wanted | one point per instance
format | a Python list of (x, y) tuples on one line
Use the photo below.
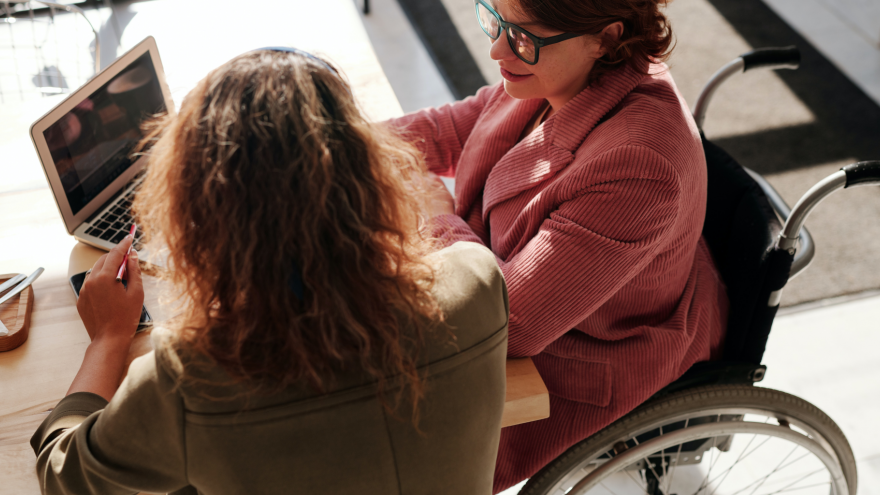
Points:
[(510, 76)]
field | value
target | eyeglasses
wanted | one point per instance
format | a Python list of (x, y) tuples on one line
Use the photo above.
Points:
[(523, 43)]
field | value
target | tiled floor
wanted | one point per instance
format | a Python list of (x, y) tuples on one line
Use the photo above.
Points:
[(828, 356), (846, 31), (410, 70)]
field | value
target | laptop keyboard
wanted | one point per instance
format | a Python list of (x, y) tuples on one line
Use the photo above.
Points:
[(115, 223)]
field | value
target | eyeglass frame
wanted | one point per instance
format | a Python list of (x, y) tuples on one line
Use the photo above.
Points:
[(504, 25)]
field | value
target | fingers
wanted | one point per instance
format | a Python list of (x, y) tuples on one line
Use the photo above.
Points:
[(93, 273), (133, 275), (115, 257), (98, 265)]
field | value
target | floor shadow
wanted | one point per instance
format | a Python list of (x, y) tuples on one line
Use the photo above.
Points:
[(786, 148), (847, 120), (440, 37)]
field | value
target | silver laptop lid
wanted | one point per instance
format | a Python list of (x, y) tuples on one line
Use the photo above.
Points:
[(86, 142)]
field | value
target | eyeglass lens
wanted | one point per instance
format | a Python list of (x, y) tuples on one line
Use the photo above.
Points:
[(520, 43), (488, 22)]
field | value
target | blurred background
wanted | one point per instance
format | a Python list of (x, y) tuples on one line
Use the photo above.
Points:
[(795, 127)]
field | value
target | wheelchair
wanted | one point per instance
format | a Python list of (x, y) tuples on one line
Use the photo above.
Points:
[(712, 431)]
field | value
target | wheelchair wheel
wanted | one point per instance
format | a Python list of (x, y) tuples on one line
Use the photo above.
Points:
[(712, 440)]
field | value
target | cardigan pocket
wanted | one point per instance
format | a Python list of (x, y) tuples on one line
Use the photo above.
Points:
[(576, 380)]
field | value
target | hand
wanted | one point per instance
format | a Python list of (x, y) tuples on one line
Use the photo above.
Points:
[(109, 311), (439, 201)]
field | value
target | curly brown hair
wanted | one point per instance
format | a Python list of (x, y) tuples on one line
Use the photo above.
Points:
[(291, 226), (647, 35)]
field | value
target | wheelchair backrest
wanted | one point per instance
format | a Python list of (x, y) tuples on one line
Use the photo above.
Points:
[(741, 229)]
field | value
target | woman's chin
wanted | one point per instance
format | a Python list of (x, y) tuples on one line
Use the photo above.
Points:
[(520, 90)]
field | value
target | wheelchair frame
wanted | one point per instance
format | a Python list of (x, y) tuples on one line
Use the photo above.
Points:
[(708, 393)]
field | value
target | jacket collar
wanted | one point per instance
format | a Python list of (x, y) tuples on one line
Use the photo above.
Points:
[(580, 116), (552, 145)]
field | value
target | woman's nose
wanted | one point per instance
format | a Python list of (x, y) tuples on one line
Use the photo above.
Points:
[(500, 49)]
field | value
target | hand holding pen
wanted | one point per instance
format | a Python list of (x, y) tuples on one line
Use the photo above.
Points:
[(110, 312), (107, 307), (120, 274)]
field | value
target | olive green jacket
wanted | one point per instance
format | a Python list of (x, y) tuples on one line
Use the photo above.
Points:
[(160, 435)]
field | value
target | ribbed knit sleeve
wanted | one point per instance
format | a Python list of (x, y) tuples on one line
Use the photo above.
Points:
[(440, 133), (587, 249)]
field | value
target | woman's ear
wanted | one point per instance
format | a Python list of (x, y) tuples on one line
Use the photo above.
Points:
[(612, 31)]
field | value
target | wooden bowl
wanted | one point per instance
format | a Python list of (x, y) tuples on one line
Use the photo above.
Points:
[(16, 315)]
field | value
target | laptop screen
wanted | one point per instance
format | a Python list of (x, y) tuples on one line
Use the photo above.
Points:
[(92, 144)]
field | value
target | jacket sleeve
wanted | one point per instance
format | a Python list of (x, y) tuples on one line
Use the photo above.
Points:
[(584, 252), (133, 444), (440, 133)]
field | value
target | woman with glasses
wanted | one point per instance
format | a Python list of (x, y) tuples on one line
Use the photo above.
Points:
[(324, 344), (584, 172)]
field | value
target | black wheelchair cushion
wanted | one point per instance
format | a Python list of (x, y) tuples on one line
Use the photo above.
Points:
[(741, 229)]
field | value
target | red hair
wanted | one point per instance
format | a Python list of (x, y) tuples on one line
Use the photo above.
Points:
[(646, 37)]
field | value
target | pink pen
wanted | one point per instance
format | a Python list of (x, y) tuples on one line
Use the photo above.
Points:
[(121, 272)]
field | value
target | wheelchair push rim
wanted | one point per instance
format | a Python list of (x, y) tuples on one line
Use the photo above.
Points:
[(782, 445)]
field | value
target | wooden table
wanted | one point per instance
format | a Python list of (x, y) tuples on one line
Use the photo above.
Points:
[(34, 377)]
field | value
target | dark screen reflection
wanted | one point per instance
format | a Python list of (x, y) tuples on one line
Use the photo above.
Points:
[(92, 145)]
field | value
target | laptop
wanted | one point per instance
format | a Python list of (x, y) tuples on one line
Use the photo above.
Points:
[(86, 145)]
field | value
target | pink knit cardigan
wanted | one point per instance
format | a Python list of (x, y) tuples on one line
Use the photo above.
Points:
[(595, 219)]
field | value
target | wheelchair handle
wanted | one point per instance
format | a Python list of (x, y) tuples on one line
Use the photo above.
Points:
[(862, 173), (788, 57), (807, 248), (856, 174), (770, 58)]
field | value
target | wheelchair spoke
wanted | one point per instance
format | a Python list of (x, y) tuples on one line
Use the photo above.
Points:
[(780, 469), (649, 466), (609, 489), (739, 458), (634, 480), (713, 484), (704, 483), (740, 463), (677, 458), (662, 457), (778, 466), (800, 488), (713, 480), (742, 456)]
